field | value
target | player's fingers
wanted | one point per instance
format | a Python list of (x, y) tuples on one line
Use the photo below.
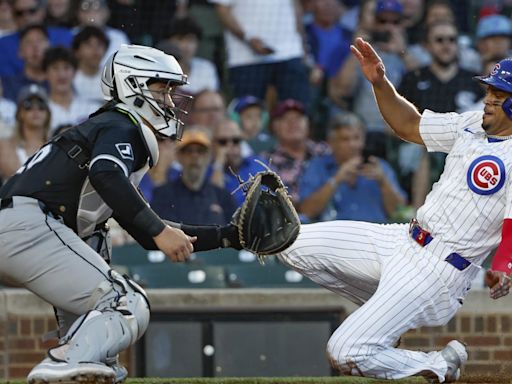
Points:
[(357, 53)]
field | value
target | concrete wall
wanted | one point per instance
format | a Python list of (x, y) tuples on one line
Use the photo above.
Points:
[(485, 325)]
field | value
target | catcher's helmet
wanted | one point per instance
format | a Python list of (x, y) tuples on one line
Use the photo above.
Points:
[(501, 78), (126, 76)]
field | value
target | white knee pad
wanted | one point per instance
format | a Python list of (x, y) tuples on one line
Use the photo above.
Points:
[(120, 317)]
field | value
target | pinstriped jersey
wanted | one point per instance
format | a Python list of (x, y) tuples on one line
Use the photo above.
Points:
[(467, 206)]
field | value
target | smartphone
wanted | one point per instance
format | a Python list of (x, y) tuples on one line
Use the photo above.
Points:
[(367, 152)]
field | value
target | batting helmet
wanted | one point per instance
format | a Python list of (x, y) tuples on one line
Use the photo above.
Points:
[(126, 77), (501, 78)]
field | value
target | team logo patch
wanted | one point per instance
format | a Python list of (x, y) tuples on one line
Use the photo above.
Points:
[(125, 150), (486, 175)]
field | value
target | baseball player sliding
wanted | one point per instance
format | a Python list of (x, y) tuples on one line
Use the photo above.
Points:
[(53, 213), (408, 276)]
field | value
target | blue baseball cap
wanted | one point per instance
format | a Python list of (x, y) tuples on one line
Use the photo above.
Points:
[(493, 25), (393, 6), (246, 102)]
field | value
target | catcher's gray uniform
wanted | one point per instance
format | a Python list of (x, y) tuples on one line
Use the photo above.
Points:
[(52, 203)]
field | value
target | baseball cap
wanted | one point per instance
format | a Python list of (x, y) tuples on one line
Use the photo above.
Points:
[(193, 136), (31, 91), (287, 105), (494, 25), (393, 6), (245, 102)]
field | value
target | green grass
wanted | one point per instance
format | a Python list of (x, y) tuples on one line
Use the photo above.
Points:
[(473, 379), (273, 380)]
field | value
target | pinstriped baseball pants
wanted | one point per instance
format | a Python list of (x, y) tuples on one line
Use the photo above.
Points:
[(399, 285)]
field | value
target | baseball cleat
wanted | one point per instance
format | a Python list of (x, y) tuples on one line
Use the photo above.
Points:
[(50, 371), (120, 371), (456, 356)]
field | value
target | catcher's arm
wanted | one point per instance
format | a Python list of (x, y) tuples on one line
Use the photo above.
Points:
[(210, 236)]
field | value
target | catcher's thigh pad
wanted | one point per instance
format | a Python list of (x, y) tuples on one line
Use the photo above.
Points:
[(115, 324)]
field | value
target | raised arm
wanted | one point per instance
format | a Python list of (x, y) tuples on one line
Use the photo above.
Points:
[(401, 115)]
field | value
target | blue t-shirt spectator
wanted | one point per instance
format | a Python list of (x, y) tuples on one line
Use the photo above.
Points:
[(209, 205), (329, 46), (10, 63), (362, 201)]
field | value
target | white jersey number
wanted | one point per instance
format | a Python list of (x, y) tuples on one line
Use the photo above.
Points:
[(37, 158)]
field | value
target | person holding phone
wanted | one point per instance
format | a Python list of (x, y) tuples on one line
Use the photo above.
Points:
[(265, 47), (350, 183)]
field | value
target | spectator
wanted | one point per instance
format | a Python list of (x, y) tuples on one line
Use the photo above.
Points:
[(27, 12), (442, 86), (32, 130), (145, 21), (174, 199), (97, 13), (208, 109), (250, 114), (66, 107), (89, 47), (290, 125), (33, 44), (343, 185), (228, 160), (414, 11), (493, 37), (328, 41), (7, 115), (186, 34), (349, 90), (264, 47), (60, 13), (329, 46), (7, 24), (437, 11), (166, 169)]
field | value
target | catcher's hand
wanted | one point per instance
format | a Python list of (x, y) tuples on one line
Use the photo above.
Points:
[(267, 221), (498, 282)]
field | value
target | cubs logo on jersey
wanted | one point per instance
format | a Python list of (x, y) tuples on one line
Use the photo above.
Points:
[(486, 175)]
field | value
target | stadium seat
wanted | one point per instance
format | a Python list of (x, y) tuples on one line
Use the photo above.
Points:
[(225, 256), (267, 276), (169, 275), (130, 254)]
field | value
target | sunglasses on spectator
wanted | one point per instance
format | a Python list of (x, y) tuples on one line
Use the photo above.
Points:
[(226, 140), (90, 6), (34, 104), (445, 39), (383, 20), (23, 12)]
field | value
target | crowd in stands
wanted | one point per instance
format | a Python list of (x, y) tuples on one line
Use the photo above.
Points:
[(274, 85)]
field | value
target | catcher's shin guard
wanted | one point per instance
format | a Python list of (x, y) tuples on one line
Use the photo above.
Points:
[(120, 318)]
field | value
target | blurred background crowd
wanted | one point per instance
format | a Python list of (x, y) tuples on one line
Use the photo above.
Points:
[(274, 84)]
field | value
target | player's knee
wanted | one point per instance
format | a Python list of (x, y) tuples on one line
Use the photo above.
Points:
[(342, 352), (125, 296)]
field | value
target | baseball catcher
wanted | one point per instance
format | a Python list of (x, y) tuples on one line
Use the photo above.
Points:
[(54, 209)]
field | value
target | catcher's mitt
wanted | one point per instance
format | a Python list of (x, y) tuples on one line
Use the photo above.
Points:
[(267, 221)]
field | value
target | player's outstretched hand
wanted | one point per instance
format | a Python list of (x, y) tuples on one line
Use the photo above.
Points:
[(498, 282), (371, 64), (175, 243)]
